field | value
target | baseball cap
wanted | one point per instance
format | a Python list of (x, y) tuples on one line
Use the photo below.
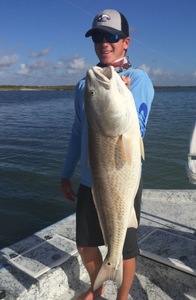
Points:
[(111, 21)]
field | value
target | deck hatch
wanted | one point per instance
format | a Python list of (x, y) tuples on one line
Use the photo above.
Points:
[(170, 249), (48, 254)]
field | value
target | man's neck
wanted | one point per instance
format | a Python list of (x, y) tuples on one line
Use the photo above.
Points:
[(120, 65)]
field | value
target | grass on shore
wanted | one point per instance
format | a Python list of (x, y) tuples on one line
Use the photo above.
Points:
[(36, 88), (65, 87)]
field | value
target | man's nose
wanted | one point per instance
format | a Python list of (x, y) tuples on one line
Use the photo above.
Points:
[(104, 40)]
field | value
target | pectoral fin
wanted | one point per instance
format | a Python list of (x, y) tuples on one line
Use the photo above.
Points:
[(127, 147), (133, 220), (142, 148)]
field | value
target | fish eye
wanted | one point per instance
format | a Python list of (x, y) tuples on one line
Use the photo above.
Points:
[(92, 92)]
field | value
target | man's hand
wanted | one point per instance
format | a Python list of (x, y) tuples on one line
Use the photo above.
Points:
[(66, 189), (127, 81)]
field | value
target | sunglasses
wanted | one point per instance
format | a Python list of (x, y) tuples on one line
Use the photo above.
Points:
[(110, 38)]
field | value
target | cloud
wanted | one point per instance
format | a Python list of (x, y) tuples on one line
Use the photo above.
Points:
[(71, 58), (7, 62), (160, 77), (145, 68), (63, 62), (35, 68), (155, 72), (59, 65), (158, 71), (12, 49), (68, 71), (39, 64), (23, 70), (78, 65), (9, 50), (43, 52)]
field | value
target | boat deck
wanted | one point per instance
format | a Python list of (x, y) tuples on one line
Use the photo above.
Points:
[(46, 265)]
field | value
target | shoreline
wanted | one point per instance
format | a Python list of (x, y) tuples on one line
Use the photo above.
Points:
[(5, 88)]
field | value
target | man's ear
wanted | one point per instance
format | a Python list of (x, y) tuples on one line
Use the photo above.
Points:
[(126, 43)]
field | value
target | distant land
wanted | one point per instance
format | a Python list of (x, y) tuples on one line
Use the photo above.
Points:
[(65, 87), (36, 88)]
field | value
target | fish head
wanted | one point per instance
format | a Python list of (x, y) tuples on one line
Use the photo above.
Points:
[(107, 101)]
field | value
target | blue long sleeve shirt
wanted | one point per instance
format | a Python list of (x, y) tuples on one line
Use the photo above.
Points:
[(143, 93)]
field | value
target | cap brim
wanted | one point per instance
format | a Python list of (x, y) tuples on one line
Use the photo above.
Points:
[(104, 28)]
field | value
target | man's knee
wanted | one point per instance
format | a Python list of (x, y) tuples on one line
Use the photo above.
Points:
[(81, 249), (87, 250)]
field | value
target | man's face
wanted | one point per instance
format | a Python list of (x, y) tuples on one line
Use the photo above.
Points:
[(110, 52)]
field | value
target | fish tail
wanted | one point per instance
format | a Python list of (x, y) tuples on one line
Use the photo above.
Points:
[(108, 272)]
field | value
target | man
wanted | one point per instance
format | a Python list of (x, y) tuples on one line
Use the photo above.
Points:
[(110, 34)]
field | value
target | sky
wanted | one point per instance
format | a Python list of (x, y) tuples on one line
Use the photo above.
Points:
[(42, 42)]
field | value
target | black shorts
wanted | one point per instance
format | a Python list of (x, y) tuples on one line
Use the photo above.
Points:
[(88, 231)]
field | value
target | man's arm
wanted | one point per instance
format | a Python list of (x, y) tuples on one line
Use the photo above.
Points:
[(66, 189), (73, 153), (143, 93)]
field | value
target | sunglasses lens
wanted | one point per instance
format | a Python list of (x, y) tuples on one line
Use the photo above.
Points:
[(97, 38), (110, 38)]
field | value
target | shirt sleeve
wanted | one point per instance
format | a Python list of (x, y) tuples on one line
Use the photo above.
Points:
[(74, 146), (143, 94)]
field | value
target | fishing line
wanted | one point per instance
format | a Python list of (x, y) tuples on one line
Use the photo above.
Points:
[(162, 55), (136, 40), (79, 7)]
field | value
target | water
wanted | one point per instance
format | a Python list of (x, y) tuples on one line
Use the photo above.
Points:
[(34, 131), (167, 138)]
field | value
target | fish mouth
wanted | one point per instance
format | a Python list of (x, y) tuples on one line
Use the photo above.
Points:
[(103, 76)]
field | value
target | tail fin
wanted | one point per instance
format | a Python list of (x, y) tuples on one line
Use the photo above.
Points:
[(109, 272)]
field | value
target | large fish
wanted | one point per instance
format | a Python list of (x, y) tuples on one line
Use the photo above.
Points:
[(115, 150)]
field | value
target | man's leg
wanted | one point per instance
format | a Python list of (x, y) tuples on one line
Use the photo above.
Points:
[(128, 275), (88, 236), (92, 259), (130, 251)]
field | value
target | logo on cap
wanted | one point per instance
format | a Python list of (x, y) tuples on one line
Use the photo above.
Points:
[(103, 18)]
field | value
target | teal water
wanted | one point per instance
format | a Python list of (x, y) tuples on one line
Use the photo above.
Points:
[(34, 131)]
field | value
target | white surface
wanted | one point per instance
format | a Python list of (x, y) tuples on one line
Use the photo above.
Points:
[(172, 210), (48, 254), (170, 249)]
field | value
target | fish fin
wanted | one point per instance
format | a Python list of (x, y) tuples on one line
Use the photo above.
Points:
[(133, 220), (127, 147), (109, 272), (142, 148)]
